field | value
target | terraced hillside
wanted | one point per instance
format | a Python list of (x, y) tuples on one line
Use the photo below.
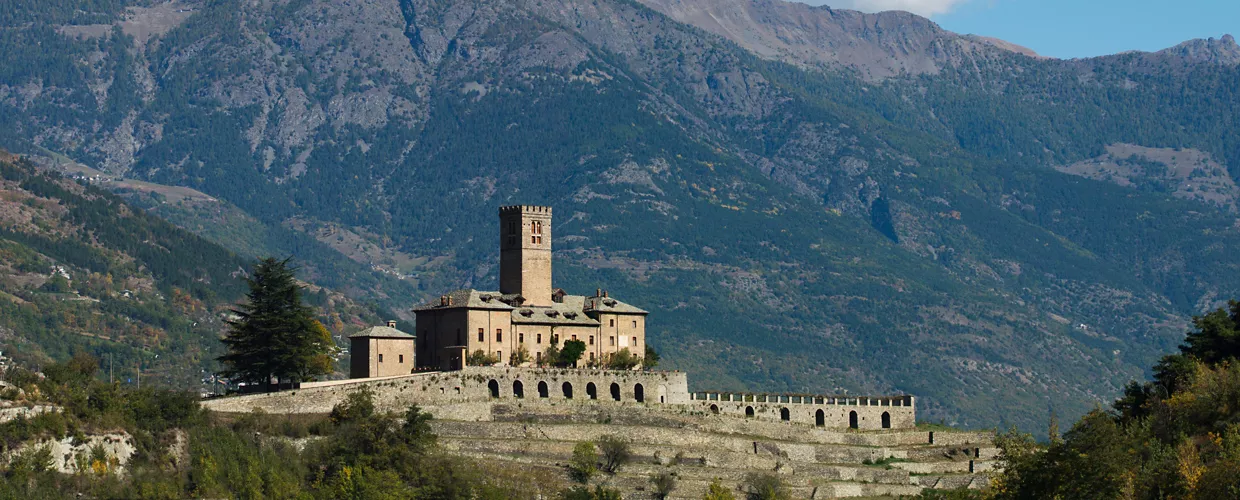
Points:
[(537, 432)]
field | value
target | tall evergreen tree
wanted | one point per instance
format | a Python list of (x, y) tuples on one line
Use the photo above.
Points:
[(275, 335)]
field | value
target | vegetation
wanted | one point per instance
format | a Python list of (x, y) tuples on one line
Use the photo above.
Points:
[(584, 462), (599, 492), (614, 452), (1177, 436), (716, 491), (276, 337), (623, 360), (652, 358), (763, 486), (570, 354), (357, 453), (664, 483), (481, 358)]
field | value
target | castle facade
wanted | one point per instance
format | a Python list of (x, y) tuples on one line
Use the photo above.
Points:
[(515, 325)]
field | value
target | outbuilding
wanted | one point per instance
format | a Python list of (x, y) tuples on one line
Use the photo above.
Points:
[(381, 351)]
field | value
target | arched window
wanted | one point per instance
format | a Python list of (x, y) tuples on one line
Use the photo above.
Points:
[(714, 409), (615, 391), (518, 389), (748, 411), (494, 387), (568, 390), (886, 420), (785, 415), (820, 418), (639, 393), (542, 389), (591, 390), (852, 420)]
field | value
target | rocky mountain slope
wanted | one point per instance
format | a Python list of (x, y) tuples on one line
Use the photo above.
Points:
[(847, 201)]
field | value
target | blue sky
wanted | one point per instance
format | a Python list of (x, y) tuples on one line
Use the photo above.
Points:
[(1073, 28)]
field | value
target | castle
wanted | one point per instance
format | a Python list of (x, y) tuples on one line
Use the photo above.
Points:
[(510, 331), (515, 325)]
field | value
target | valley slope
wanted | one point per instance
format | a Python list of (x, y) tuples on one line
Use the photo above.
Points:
[(794, 219)]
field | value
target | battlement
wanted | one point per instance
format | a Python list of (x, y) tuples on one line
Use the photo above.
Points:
[(525, 209)]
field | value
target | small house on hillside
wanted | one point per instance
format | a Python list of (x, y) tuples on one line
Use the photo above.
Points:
[(380, 351)]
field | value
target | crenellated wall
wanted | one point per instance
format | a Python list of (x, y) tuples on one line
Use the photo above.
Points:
[(858, 412)]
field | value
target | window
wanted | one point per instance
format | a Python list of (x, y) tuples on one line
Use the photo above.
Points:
[(591, 340), (536, 233), (611, 341), (611, 322), (538, 357), (574, 337), (500, 356), (380, 358), (635, 324), (591, 356), (499, 334), (521, 338), (512, 232), (634, 341), (401, 359), (555, 339), (481, 334), (540, 339)]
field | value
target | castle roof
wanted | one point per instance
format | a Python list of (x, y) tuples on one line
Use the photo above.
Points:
[(469, 299), (382, 332), (569, 312), (610, 305)]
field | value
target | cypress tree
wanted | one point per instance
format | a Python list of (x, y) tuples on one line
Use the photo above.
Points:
[(275, 335)]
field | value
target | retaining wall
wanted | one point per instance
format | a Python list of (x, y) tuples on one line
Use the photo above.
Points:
[(894, 412)]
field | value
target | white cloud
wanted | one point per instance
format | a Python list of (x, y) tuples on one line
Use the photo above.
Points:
[(920, 7)]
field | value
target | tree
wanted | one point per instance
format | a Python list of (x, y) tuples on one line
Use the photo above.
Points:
[(551, 356), (765, 487), (584, 463), (571, 353), (481, 358), (623, 360), (275, 335), (615, 452), (664, 483), (716, 491), (520, 356), (652, 358)]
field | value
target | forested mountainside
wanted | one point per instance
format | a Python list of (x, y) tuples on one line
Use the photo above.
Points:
[(791, 226), (81, 271)]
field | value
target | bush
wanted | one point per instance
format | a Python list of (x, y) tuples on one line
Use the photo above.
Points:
[(716, 491), (664, 483), (584, 493), (584, 462), (615, 452), (765, 487), (623, 360)]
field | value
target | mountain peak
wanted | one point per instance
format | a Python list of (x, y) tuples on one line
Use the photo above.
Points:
[(1222, 51)]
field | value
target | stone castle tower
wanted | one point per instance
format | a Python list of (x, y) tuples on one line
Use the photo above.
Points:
[(525, 253)]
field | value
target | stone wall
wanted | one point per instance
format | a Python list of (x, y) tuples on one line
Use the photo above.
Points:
[(474, 385), (895, 412)]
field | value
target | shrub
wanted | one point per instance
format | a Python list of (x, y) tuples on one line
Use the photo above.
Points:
[(664, 483), (760, 486), (615, 452), (716, 491), (584, 462)]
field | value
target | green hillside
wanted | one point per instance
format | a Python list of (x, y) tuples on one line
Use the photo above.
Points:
[(790, 228)]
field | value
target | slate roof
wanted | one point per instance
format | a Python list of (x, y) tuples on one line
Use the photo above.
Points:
[(471, 299), (568, 312), (610, 305), (383, 332)]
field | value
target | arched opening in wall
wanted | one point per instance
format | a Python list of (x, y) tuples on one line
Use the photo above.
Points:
[(518, 389), (542, 389), (714, 409), (494, 387), (785, 415), (591, 390), (886, 420), (820, 418), (615, 391), (568, 390), (748, 411), (852, 420), (639, 393)]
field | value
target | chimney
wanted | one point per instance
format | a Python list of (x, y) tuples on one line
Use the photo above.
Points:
[(598, 292), (391, 323), (604, 293)]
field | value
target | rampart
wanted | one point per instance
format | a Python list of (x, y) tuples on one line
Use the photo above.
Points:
[(466, 394), (857, 412), (474, 385)]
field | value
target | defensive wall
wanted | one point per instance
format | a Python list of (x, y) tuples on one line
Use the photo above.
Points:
[(466, 395), (856, 412), (475, 385)]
